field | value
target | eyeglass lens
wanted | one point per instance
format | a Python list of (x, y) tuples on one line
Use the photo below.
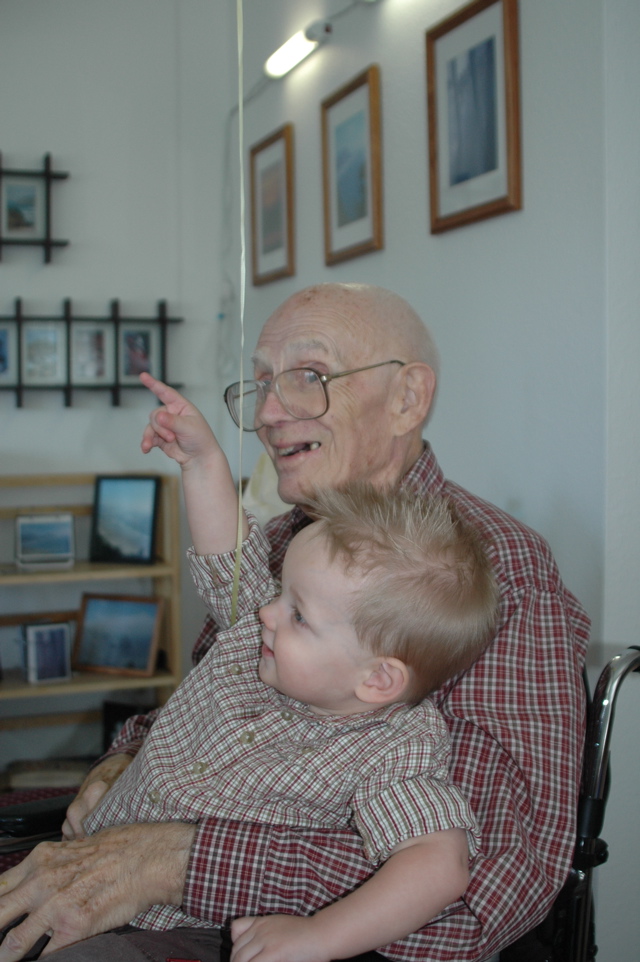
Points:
[(300, 392)]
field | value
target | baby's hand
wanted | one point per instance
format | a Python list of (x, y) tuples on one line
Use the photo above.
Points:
[(276, 938), (177, 427)]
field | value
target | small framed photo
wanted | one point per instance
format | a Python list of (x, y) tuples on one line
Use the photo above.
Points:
[(352, 168), (23, 208), (48, 652), (44, 541), (8, 353), (123, 526), (138, 351), (272, 207), (473, 96), (92, 353), (118, 634), (44, 353)]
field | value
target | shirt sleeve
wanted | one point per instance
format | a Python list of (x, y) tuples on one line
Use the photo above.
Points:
[(214, 577)]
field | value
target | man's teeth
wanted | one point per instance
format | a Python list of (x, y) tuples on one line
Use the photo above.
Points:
[(295, 448)]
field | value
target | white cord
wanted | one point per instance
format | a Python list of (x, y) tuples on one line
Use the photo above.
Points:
[(243, 275)]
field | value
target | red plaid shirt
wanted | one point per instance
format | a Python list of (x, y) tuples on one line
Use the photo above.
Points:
[(517, 724)]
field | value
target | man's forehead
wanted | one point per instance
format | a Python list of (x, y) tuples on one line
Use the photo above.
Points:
[(292, 347)]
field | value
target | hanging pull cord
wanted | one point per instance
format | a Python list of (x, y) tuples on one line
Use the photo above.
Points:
[(243, 272)]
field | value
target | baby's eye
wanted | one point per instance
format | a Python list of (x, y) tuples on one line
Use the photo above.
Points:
[(297, 617)]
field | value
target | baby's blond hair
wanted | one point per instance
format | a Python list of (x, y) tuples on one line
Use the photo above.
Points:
[(429, 597)]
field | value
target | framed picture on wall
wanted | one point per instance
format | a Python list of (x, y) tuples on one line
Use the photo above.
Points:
[(23, 208), (473, 98), (92, 353), (352, 168), (8, 353), (118, 634), (138, 351), (44, 353), (272, 207)]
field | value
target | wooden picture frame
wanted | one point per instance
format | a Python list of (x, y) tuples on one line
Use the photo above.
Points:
[(118, 634), (475, 166), (272, 207), (124, 520), (352, 168)]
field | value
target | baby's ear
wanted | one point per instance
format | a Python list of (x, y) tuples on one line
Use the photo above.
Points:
[(386, 681)]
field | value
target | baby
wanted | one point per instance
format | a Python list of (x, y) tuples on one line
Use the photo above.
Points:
[(311, 710)]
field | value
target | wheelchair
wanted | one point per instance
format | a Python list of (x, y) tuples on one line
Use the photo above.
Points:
[(567, 934)]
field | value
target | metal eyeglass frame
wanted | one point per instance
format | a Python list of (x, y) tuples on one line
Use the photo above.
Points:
[(324, 379)]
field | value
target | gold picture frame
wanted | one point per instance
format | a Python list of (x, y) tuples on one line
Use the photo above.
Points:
[(473, 108), (352, 168), (272, 207)]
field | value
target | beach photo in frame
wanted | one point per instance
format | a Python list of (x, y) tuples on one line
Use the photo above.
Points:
[(138, 351), (45, 541), (272, 207), (473, 98), (44, 353), (8, 353), (23, 208), (118, 634), (92, 353), (352, 168), (123, 525), (48, 652)]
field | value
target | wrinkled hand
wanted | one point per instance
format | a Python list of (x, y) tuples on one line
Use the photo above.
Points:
[(93, 789), (73, 890), (177, 428), (276, 938)]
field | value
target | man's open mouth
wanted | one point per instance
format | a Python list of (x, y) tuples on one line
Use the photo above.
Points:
[(297, 448)]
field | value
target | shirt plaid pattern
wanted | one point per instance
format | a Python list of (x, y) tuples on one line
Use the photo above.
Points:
[(517, 724), (228, 745)]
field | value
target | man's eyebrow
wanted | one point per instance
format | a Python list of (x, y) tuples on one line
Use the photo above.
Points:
[(309, 344)]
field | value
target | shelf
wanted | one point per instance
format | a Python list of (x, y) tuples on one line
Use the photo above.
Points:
[(13, 684), (82, 571)]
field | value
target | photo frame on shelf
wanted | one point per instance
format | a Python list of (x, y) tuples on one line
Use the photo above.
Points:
[(44, 353), (138, 351), (473, 104), (352, 168), (8, 353), (92, 353), (123, 525), (23, 208), (118, 634), (45, 541), (48, 652), (272, 207)]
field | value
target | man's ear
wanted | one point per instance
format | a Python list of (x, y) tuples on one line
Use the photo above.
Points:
[(386, 681), (416, 391)]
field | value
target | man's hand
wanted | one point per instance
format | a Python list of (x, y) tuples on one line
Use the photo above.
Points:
[(276, 938), (73, 890), (93, 789)]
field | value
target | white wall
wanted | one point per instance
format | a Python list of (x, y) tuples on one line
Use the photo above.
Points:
[(535, 312)]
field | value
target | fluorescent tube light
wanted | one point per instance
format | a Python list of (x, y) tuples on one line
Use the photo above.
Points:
[(291, 53)]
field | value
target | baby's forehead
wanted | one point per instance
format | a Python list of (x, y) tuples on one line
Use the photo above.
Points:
[(314, 544)]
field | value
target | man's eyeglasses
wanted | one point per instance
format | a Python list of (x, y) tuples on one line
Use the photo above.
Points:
[(302, 392)]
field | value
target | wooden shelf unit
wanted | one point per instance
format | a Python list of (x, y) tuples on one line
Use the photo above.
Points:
[(164, 575)]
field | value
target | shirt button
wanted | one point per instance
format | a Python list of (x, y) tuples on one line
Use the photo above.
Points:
[(199, 767), (235, 669), (247, 738), (154, 796), (286, 714)]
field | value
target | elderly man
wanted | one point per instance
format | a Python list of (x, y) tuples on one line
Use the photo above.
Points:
[(344, 379)]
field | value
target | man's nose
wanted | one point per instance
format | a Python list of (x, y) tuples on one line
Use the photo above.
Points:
[(272, 410)]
